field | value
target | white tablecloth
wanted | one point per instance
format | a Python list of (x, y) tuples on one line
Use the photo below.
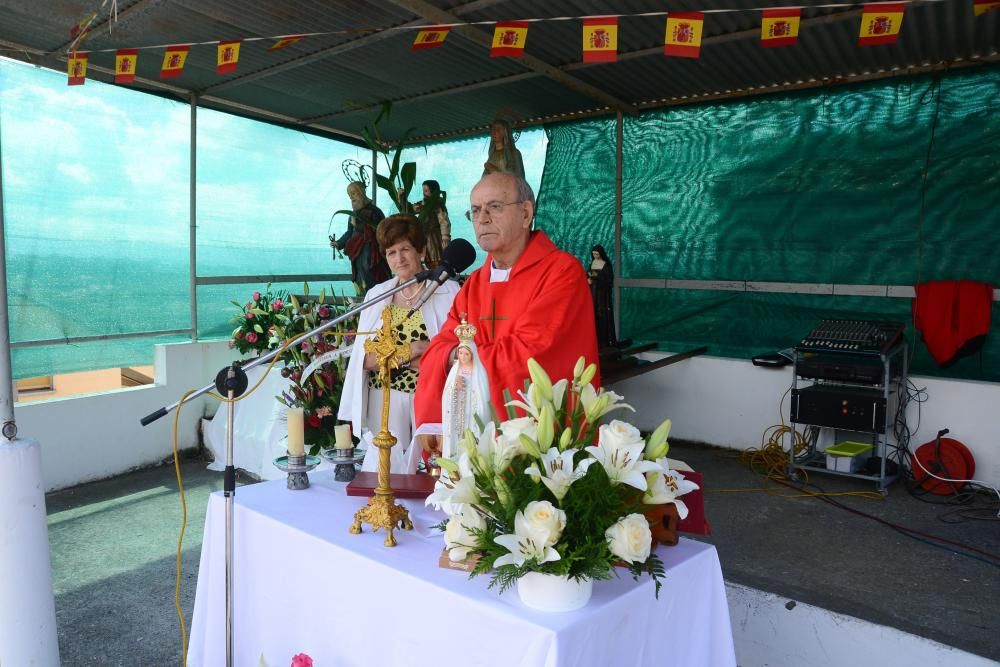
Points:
[(260, 428), (303, 583)]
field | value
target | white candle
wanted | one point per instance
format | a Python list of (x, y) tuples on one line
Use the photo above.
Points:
[(296, 432), (343, 436)]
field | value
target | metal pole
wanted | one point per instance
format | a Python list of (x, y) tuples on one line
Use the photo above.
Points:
[(27, 606), (619, 134), (193, 219), (374, 184), (229, 490), (6, 382)]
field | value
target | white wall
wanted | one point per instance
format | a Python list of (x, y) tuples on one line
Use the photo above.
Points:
[(730, 403), (90, 437), (769, 630)]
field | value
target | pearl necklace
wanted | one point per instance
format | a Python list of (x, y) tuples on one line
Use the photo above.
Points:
[(409, 299)]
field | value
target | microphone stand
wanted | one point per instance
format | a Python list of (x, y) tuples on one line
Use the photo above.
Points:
[(232, 381)]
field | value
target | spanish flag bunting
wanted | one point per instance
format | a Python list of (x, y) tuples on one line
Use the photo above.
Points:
[(80, 31), (980, 7), (287, 40), (600, 40), (228, 56), (509, 39), (780, 27), (125, 60), (76, 68), (683, 38), (431, 37), (173, 61), (880, 23)]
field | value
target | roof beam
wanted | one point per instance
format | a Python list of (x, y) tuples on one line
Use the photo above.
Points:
[(366, 40), (101, 23), (53, 61), (628, 55), (483, 38)]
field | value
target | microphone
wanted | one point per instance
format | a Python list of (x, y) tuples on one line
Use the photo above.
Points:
[(457, 257)]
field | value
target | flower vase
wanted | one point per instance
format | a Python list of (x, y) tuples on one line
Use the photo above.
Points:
[(553, 592)]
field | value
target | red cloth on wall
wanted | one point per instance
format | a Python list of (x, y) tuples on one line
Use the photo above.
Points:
[(542, 311), (953, 317)]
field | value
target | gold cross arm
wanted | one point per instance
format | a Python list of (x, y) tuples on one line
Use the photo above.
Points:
[(388, 354)]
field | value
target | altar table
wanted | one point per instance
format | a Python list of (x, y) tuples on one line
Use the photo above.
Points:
[(304, 584)]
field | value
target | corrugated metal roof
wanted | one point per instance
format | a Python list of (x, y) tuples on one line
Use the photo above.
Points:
[(336, 82)]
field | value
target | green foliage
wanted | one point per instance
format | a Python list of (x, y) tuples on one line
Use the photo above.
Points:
[(399, 179), (580, 494)]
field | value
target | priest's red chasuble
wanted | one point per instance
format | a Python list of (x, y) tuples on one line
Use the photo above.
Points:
[(544, 310)]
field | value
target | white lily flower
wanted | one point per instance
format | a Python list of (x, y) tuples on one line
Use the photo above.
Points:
[(597, 404), (525, 544), (666, 486), (458, 537), (559, 472), (559, 393), (454, 490), (511, 432), (619, 449)]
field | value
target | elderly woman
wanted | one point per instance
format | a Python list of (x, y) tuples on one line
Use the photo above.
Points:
[(402, 241)]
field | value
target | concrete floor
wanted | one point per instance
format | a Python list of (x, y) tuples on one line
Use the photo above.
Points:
[(113, 544)]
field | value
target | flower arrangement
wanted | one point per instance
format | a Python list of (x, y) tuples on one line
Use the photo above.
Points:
[(257, 319), (315, 367), (536, 494)]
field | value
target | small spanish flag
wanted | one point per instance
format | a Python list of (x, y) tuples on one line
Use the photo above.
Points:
[(430, 37), (683, 38), (980, 7), (287, 40), (780, 27), (880, 23), (173, 61), (228, 55), (600, 40), (76, 68), (509, 39), (125, 60)]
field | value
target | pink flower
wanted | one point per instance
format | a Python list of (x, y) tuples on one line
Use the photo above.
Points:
[(301, 660), (251, 337), (277, 306), (250, 316), (256, 296), (249, 305), (323, 312)]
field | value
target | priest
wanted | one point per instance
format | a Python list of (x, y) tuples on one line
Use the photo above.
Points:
[(530, 299)]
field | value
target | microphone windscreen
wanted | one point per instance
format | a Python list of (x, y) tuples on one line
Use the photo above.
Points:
[(459, 255)]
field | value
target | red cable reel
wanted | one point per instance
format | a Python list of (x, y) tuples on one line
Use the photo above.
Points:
[(945, 457)]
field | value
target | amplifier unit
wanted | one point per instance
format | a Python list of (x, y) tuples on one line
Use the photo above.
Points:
[(846, 408)]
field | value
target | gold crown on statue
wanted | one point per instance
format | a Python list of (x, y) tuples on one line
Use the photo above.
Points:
[(466, 332)]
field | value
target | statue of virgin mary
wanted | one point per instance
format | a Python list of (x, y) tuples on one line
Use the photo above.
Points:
[(466, 393)]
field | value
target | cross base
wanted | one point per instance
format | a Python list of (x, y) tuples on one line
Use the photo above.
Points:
[(382, 512)]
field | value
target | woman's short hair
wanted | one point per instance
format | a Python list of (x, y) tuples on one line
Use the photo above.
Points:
[(398, 228)]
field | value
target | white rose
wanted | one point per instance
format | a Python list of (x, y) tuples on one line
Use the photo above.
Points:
[(458, 537), (544, 518), (620, 435), (630, 538)]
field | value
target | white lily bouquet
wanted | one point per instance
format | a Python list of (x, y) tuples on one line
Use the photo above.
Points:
[(536, 494)]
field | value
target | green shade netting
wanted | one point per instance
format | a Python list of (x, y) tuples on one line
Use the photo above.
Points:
[(888, 183)]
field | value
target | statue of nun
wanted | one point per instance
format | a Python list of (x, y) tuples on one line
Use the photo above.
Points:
[(466, 393)]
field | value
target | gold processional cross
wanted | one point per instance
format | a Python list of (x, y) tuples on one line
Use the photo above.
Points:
[(493, 318), (381, 510)]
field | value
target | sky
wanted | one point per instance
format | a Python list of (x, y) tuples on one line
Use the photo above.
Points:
[(96, 201)]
